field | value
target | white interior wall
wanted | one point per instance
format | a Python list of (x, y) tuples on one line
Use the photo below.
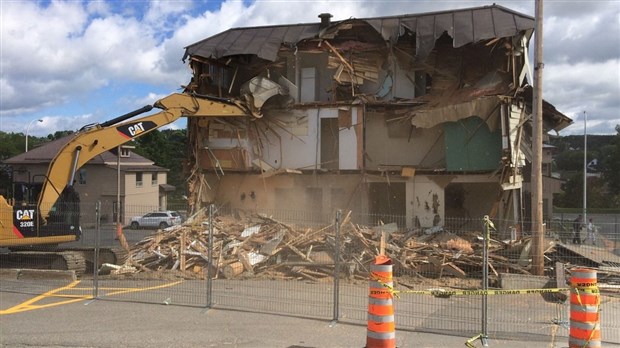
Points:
[(425, 201), (296, 150)]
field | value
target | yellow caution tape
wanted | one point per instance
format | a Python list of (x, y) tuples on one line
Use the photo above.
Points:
[(447, 293), (585, 285)]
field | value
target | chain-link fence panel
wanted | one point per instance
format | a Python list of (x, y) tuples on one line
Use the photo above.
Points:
[(318, 265)]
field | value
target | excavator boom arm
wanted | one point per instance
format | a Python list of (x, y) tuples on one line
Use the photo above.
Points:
[(107, 136)]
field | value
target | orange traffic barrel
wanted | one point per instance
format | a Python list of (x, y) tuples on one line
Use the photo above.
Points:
[(585, 326), (381, 329)]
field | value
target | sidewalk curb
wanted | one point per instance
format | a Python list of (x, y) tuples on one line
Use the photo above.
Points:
[(17, 273)]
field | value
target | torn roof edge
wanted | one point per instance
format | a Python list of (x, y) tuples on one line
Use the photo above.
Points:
[(390, 27)]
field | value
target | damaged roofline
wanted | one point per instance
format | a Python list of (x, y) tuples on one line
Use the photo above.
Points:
[(335, 23), (484, 22)]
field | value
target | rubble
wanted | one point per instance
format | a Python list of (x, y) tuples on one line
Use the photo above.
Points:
[(260, 246)]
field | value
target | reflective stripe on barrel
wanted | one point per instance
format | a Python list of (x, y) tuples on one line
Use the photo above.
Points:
[(584, 313), (381, 328), (583, 278), (584, 309), (576, 343), (584, 297)]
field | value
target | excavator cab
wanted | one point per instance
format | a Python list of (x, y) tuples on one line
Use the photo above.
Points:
[(63, 219)]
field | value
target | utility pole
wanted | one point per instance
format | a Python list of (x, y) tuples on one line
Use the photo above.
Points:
[(538, 266)]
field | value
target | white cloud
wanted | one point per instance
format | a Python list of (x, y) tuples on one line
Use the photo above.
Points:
[(590, 87), (59, 53), (151, 98), (49, 125)]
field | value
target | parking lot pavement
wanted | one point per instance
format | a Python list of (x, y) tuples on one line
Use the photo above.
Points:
[(103, 323)]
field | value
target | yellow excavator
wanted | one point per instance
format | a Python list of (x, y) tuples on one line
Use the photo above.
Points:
[(28, 228)]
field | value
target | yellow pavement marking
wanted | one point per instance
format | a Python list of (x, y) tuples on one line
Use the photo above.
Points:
[(31, 304), (126, 290)]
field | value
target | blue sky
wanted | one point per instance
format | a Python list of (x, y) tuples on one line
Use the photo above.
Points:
[(72, 63)]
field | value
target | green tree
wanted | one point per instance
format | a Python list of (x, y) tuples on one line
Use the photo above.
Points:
[(570, 160), (11, 144), (167, 148), (572, 195), (59, 134)]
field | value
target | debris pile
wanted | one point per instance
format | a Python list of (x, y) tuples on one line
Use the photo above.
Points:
[(261, 246)]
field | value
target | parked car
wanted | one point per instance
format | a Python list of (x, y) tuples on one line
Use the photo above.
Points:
[(158, 219)]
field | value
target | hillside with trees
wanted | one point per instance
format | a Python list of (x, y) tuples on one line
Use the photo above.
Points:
[(603, 170)]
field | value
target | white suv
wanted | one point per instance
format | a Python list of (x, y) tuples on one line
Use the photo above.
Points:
[(159, 219)]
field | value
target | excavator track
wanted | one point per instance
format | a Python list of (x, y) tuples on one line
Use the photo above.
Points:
[(113, 255), (79, 260), (64, 260)]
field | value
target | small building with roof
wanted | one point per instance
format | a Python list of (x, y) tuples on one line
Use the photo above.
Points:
[(140, 184)]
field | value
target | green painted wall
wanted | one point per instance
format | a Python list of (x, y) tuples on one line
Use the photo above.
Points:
[(470, 146)]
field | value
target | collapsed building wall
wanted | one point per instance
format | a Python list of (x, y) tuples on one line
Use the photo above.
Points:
[(416, 115)]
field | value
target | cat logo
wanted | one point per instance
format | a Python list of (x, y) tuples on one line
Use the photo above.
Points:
[(24, 215), (136, 129)]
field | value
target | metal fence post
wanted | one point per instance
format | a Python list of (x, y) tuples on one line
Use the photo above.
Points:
[(210, 262), (485, 280), (486, 230), (337, 268), (96, 252)]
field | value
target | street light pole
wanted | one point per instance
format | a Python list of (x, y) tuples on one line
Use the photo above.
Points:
[(28, 129), (585, 168)]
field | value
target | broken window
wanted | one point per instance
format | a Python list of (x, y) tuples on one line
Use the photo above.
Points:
[(388, 202), (329, 143)]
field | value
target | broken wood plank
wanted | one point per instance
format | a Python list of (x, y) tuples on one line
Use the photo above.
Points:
[(232, 270)]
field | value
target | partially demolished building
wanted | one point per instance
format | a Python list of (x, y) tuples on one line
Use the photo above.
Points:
[(425, 116)]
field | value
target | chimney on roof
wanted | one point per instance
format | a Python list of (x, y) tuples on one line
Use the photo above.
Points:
[(325, 20)]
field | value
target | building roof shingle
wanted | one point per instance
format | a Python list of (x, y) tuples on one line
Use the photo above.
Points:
[(44, 154)]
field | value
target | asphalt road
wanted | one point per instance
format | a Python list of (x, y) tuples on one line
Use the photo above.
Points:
[(120, 324), (28, 320)]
